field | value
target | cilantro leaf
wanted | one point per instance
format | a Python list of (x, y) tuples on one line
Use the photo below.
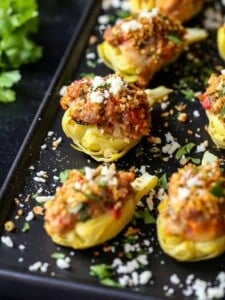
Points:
[(162, 182), (104, 273), (7, 80), (145, 215), (184, 150), (18, 23), (64, 175)]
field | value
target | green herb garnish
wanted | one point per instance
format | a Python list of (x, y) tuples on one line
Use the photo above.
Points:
[(188, 94), (18, 22), (87, 75), (91, 64), (26, 227), (64, 175), (104, 273), (195, 160), (162, 182), (57, 255), (174, 38), (218, 190), (146, 216), (123, 14), (184, 150)]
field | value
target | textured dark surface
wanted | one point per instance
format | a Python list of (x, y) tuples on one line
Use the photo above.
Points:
[(58, 19), (76, 283)]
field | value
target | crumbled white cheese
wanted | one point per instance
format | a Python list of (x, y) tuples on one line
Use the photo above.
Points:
[(39, 179), (103, 19), (96, 97), (97, 81), (129, 26), (142, 259), (144, 277), (41, 173), (43, 199), (89, 172), (202, 147), (21, 247), (90, 55), (62, 90), (29, 216), (174, 279), (63, 263), (6, 240), (77, 185), (116, 85), (107, 173), (50, 133), (35, 266), (44, 267), (193, 181), (182, 193), (171, 147), (196, 113), (149, 14)]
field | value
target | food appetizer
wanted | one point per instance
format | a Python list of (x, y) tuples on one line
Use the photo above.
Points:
[(213, 101), (183, 10), (94, 204), (105, 116), (191, 220), (139, 46)]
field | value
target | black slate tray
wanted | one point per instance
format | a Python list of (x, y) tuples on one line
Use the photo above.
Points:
[(17, 282)]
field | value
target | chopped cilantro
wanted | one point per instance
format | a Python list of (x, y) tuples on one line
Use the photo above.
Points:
[(19, 21), (91, 64), (122, 14), (184, 150), (104, 273), (188, 93), (218, 189), (146, 216), (26, 227), (195, 160), (63, 176), (7, 80), (57, 255), (162, 182), (174, 38), (87, 75), (110, 282), (83, 213)]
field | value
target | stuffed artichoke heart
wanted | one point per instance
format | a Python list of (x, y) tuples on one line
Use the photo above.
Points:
[(105, 117), (182, 10), (94, 204), (213, 101), (191, 219), (139, 46)]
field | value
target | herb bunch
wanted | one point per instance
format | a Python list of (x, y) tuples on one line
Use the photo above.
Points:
[(18, 24)]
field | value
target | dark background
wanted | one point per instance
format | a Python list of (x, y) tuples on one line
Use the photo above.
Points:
[(58, 21)]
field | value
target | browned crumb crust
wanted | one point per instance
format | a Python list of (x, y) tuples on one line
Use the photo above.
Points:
[(119, 109), (213, 99), (196, 202), (86, 194)]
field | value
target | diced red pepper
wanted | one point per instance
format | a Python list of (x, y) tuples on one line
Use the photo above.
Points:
[(206, 104), (116, 213)]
